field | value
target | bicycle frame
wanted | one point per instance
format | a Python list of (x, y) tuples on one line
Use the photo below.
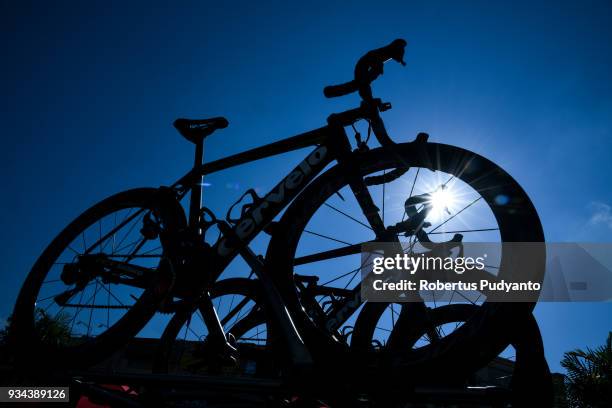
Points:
[(253, 222), (331, 143)]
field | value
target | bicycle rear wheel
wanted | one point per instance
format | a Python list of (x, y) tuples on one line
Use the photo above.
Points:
[(97, 284)]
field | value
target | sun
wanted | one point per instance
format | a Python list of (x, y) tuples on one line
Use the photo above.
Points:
[(442, 201)]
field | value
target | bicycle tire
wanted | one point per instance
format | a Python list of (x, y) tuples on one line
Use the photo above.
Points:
[(28, 349), (518, 221)]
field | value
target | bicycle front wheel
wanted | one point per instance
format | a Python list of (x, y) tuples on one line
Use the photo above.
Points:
[(322, 232)]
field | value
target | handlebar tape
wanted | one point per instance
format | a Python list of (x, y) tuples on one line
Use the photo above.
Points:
[(339, 90)]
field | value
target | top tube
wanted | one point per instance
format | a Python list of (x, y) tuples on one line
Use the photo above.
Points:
[(310, 138)]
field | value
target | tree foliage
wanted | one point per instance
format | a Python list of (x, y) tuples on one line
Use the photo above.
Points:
[(49, 330), (588, 381)]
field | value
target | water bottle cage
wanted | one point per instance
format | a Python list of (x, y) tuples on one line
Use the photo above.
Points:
[(245, 208)]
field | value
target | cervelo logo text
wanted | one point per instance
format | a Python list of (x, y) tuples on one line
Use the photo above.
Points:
[(292, 182)]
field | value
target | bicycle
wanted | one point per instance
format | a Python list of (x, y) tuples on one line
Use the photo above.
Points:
[(163, 263)]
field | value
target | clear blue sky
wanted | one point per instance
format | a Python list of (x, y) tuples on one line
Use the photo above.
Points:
[(89, 91)]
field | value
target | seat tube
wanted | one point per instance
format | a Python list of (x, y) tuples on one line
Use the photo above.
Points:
[(195, 202)]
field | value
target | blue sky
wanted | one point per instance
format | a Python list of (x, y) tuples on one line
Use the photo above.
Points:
[(89, 92)]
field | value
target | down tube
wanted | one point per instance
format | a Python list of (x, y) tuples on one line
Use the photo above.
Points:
[(263, 212)]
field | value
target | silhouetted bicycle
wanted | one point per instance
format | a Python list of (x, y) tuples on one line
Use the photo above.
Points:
[(137, 253)]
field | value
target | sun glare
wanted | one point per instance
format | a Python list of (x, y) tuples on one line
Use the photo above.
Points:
[(442, 201)]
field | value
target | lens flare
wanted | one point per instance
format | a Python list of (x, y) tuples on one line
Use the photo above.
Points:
[(442, 201)]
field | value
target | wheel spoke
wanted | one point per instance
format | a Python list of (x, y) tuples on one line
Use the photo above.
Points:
[(340, 276), (456, 214), (383, 198), (383, 329), (256, 338), (91, 310), (112, 232), (127, 234), (234, 311), (352, 278), (464, 231), (354, 271), (348, 216), (151, 250), (132, 244), (77, 311), (73, 250), (327, 237), (465, 297), (196, 335), (111, 294), (52, 296), (108, 295), (136, 249), (143, 255)]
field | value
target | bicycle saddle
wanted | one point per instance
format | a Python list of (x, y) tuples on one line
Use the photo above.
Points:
[(195, 130)]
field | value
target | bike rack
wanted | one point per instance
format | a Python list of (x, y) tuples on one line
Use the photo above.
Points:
[(157, 390), (160, 390), (151, 390)]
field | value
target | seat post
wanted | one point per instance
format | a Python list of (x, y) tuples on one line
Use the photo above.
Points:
[(196, 190)]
